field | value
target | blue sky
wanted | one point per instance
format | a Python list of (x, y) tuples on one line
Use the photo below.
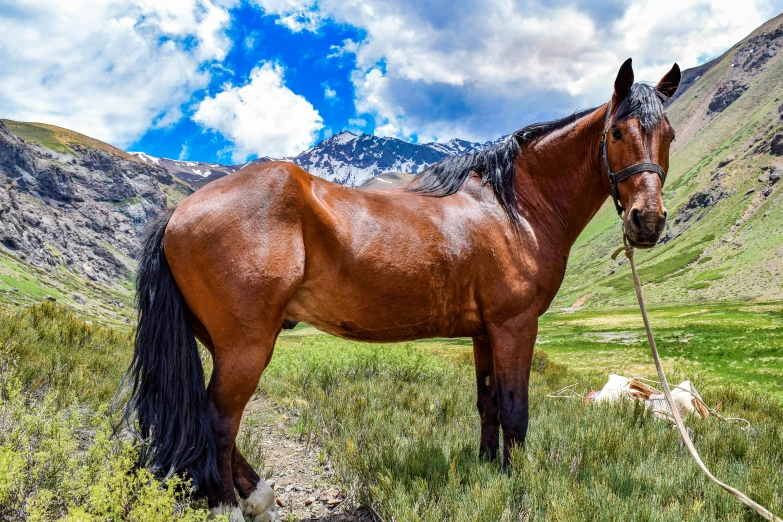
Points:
[(229, 80), (309, 73)]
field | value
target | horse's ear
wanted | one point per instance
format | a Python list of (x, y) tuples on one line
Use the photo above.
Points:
[(623, 82), (669, 83)]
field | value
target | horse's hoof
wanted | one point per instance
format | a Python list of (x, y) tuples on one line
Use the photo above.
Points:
[(260, 505), (233, 513)]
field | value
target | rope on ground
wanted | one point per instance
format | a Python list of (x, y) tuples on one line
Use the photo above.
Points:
[(567, 392), (758, 508)]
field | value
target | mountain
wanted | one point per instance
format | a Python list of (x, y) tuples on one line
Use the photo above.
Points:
[(387, 180), (724, 238), (72, 208), (195, 173), (345, 158), (72, 213)]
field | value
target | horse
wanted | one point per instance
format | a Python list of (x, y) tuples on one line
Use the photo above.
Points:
[(475, 246)]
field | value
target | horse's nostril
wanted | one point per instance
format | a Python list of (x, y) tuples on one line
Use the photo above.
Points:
[(636, 221), (665, 214)]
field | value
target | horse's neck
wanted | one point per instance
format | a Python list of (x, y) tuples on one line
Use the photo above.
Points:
[(559, 180)]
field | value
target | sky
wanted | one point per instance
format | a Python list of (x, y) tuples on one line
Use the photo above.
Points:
[(231, 80)]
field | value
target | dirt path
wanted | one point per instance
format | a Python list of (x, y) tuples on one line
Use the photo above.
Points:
[(301, 475)]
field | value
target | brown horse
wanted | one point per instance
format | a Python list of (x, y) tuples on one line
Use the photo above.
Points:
[(476, 246)]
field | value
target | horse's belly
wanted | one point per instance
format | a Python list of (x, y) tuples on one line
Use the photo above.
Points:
[(380, 318)]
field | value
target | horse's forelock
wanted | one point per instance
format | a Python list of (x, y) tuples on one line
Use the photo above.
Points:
[(644, 102)]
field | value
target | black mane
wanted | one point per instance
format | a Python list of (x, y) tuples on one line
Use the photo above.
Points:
[(496, 164)]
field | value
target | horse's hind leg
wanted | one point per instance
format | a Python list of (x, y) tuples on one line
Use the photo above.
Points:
[(237, 369), (256, 498)]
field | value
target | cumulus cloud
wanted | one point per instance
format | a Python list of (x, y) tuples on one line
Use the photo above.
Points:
[(442, 68), (296, 15), (262, 117), (110, 70)]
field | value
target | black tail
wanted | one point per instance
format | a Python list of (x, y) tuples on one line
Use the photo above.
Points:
[(166, 405)]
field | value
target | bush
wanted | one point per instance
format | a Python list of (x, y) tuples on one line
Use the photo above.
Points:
[(58, 458)]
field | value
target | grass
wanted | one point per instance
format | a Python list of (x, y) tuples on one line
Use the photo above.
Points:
[(400, 425), (407, 441), (717, 343), (22, 284)]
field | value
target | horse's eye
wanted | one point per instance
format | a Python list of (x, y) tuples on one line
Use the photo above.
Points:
[(616, 134)]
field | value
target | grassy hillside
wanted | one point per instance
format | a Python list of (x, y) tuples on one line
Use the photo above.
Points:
[(724, 237), (60, 139), (22, 284)]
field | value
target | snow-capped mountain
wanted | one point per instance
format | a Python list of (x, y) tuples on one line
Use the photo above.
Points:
[(195, 173), (352, 159), (346, 158)]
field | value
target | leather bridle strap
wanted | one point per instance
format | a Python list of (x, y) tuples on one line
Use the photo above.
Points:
[(627, 172)]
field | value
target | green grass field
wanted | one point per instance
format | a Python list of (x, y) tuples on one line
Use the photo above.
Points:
[(399, 421)]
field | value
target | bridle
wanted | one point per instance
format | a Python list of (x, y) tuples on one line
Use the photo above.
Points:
[(627, 172)]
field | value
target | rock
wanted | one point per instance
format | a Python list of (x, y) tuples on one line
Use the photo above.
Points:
[(309, 501), (776, 145), (51, 298), (726, 161), (280, 502), (706, 198), (334, 501), (775, 175), (725, 95)]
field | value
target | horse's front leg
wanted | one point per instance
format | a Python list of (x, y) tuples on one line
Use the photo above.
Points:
[(512, 347), (487, 400)]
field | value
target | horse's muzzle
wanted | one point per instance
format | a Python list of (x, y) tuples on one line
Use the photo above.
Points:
[(643, 227)]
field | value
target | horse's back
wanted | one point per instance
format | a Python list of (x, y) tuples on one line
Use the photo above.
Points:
[(376, 265)]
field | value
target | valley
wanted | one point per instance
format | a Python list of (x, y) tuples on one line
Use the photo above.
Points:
[(73, 212)]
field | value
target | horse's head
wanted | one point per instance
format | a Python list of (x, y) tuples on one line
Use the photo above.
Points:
[(635, 153)]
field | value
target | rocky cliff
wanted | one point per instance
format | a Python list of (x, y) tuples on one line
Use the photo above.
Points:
[(73, 205)]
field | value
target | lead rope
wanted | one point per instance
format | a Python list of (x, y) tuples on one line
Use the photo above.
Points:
[(761, 510)]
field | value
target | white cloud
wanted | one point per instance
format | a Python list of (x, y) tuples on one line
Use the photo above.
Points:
[(296, 15), (262, 117), (329, 93), (442, 68), (110, 70)]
